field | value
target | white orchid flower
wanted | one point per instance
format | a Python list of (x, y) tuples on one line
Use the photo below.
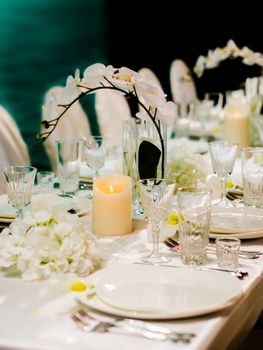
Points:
[(124, 78), (214, 57), (93, 76), (167, 113), (51, 109), (200, 66), (232, 47), (151, 95), (71, 91)]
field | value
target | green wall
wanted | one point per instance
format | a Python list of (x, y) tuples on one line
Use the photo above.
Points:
[(41, 43)]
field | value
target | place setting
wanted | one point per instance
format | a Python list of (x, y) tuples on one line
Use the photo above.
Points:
[(147, 292)]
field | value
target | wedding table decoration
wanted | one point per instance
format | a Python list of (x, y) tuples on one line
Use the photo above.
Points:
[(246, 125), (185, 166), (150, 98), (231, 50), (112, 205), (44, 242)]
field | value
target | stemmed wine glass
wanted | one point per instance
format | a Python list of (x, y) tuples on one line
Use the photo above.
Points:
[(95, 150), (223, 155), (20, 183), (156, 196)]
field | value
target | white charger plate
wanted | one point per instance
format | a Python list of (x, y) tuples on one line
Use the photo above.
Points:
[(246, 222), (160, 292)]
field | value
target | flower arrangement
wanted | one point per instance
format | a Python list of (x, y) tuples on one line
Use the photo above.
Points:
[(231, 50), (149, 97), (186, 167), (44, 243)]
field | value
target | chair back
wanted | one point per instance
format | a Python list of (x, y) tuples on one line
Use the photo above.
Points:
[(111, 108), (150, 76), (73, 125), (183, 88), (13, 149)]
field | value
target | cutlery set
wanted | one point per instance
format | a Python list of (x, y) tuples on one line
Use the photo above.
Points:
[(91, 323)]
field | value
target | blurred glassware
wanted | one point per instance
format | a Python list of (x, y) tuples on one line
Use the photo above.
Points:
[(156, 198), (252, 175), (19, 184), (194, 221), (223, 157), (45, 181), (95, 151), (144, 153), (68, 164), (184, 115), (227, 251), (259, 122)]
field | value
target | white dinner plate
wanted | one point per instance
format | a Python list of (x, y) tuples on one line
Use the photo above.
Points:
[(7, 212), (246, 222), (81, 205), (159, 292)]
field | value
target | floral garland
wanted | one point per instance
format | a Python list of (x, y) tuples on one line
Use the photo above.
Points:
[(44, 243), (231, 50), (149, 97)]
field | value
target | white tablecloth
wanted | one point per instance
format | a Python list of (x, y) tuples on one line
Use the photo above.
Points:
[(22, 327)]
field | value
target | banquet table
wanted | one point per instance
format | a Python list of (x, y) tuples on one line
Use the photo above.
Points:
[(27, 323), (22, 326)]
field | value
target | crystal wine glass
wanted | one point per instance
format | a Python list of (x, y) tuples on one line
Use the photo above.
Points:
[(20, 183), (156, 196), (95, 150), (223, 155)]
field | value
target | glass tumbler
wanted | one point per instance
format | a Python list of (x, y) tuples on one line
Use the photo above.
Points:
[(68, 165), (194, 206)]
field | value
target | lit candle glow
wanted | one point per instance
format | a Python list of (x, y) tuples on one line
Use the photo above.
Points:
[(236, 124), (112, 205)]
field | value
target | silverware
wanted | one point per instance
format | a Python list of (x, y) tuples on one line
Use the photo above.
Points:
[(90, 323), (240, 274), (245, 254)]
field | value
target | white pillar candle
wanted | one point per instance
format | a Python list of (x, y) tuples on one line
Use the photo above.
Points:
[(236, 124), (112, 205)]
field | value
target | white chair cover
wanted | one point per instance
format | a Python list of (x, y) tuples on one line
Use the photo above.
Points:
[(13, 149), (111, 108), (73, 125), (150, 76), (182, 85)]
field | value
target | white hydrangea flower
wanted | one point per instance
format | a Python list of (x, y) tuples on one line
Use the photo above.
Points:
[(185, 167), (44, 243)]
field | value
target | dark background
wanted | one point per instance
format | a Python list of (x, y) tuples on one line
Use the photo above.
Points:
[(157, 33), (44, 41)]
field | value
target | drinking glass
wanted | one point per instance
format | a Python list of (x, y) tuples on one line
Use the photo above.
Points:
[(156, 197), (20, 183), (252, 176), (45, 181), (95, 150), (68, 163), (194, 221), (227, 250), (223, 155)]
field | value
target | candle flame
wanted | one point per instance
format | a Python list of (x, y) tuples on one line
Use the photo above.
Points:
[(111, 188)]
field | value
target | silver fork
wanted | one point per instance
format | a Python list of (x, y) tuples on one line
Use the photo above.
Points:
[(245, 254), (89, 323)]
